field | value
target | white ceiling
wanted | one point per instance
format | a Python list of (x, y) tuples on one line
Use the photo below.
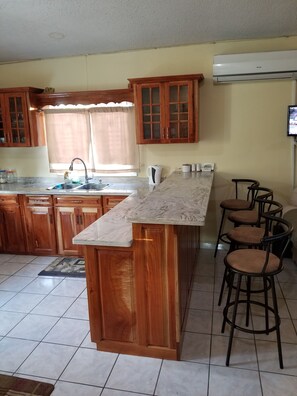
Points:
[(39, 29)]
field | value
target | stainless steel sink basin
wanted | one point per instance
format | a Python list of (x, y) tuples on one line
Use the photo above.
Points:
[(64, 186), (92, 186)]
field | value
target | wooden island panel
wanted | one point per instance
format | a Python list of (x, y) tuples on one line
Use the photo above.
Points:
[(138, 295)]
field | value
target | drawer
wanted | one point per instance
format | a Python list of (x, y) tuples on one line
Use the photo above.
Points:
[(77, 201), (9, 199), (110, 201), (38, 200)]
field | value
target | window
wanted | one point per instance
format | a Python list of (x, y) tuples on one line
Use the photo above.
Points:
[(102, 135)]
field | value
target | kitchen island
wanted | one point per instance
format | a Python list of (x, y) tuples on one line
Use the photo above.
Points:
[(140, 259)]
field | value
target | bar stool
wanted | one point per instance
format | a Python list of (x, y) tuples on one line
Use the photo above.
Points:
[(257, 264), (251, 236), (251, 217), (236, 203)]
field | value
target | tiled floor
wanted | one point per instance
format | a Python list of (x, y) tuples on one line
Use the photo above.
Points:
[(44, 334)]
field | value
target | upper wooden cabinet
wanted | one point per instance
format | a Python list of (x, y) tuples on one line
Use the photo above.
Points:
[(166, 108), (19, 119)]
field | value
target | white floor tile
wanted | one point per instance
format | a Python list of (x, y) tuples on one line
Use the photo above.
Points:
[(90, 367), (33, 327), (201, 300), (31, 270), (6, 257), (227, 381), (8, 320), (198, 321), (182, 379), (53, 305), (6, 296), (135, 374), (78, 310), (71, 389), (47, 360), (69, 288), (112, 392), (87, 343), (276, 385), (11, 268), (20, 258), (196, 347), (243, 352), (268, 357), (44, 260), (68, 332), (15, 283), (42, 285), (13, 352), (22, 302), (3, 278)]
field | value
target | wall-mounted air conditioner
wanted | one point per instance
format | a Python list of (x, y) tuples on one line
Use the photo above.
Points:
[(255, 66)]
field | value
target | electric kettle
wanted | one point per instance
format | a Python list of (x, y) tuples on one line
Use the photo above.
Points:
[(154, 173)]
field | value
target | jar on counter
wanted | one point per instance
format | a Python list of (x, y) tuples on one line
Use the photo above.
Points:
[(3, 176), (11, 176)]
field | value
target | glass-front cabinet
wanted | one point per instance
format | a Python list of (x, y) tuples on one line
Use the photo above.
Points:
[(167, 109), (18, 123)]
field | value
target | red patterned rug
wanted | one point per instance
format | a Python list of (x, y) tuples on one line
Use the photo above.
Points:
[(16, 386)]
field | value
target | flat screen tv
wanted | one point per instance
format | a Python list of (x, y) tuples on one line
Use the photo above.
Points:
[(292, 121)]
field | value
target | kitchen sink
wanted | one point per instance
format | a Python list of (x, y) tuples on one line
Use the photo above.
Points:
[(64, 186), (92, 186), (78, 186)]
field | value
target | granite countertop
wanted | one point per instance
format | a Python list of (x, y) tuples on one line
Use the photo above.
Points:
[(181, 199), (39, 186)]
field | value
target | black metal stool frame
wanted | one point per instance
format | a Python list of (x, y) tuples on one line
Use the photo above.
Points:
[(249, 198), (265, 206), (267, 242)]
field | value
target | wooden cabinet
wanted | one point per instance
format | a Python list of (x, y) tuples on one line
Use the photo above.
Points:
[(73, 214), (110, 201), (20, 124), (138, 296), (39, 224), (166, 108), (12, 238)]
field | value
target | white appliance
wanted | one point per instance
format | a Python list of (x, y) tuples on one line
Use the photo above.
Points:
[(207, 167), (154, 173), (255, 66)]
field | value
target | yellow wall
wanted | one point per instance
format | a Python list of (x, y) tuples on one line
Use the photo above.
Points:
[(242, 125)]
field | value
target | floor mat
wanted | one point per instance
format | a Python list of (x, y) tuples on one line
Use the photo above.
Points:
[(66, 266), (13, 386)]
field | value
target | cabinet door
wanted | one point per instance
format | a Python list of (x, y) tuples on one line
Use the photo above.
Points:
[(68, 225), (40, 230), (179, 111), (12, 234), (3, 123), (70, 221), (150, 122), (17, 120)]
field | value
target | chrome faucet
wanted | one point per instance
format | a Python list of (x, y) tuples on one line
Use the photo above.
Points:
[(86, 172)]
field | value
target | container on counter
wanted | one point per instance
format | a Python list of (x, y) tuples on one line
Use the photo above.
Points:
[(11, 176), (3, 176)]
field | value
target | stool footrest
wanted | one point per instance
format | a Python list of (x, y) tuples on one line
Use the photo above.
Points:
[(276, 318)]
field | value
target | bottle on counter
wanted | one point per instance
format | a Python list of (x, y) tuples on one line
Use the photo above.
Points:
[(11, 176), (3, 176)]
